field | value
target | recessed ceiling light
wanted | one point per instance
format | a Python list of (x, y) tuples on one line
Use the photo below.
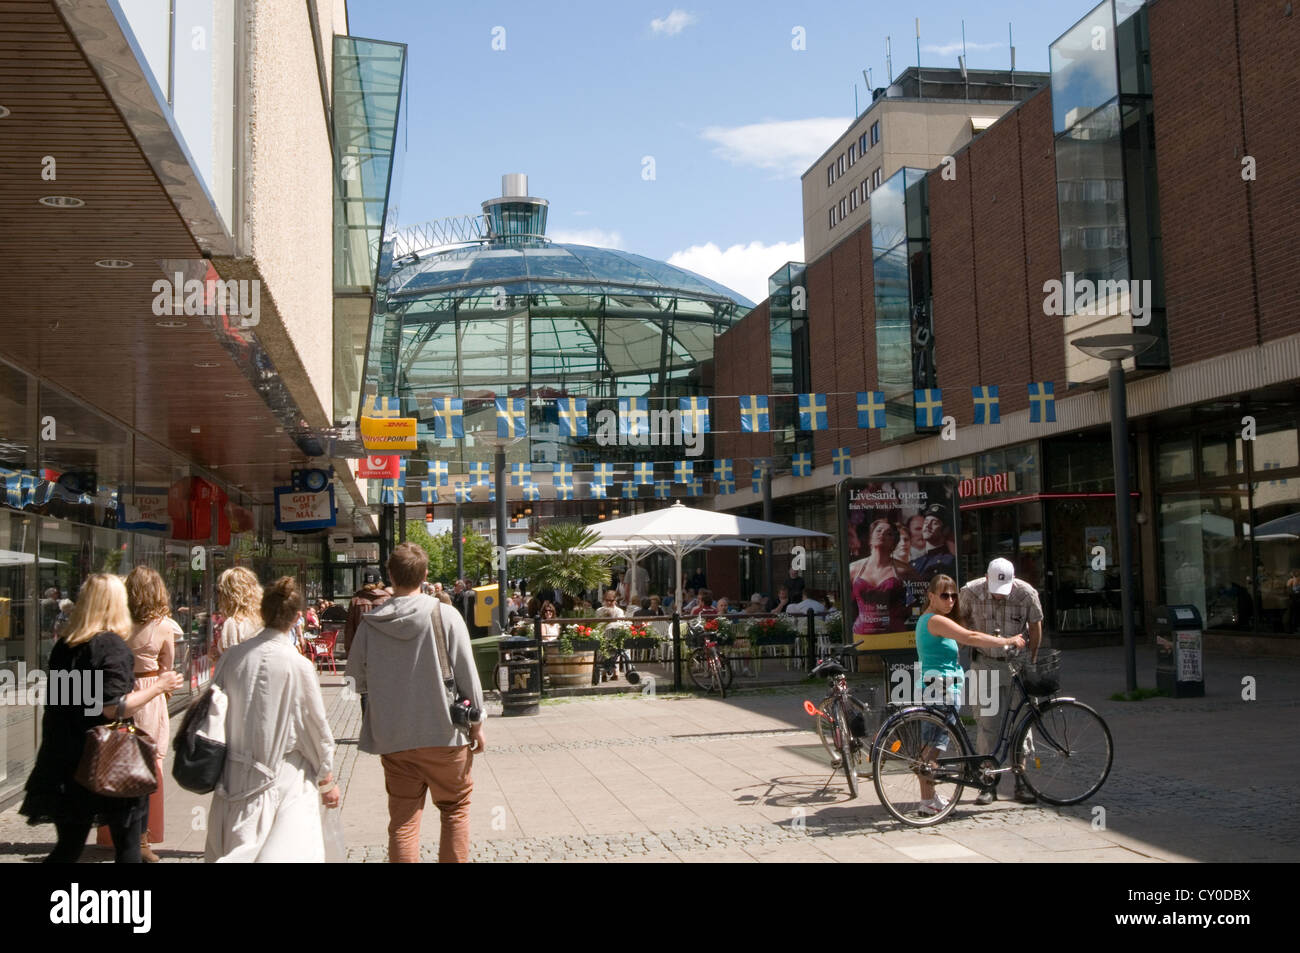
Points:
[(171, 324), (206, 364), (114, 263), (62, 201)]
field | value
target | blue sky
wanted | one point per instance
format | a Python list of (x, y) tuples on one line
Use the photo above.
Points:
[(715, 93)]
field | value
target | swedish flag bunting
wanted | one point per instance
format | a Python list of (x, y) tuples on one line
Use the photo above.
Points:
[(631, 491), (463, 493), (871, 409), (520, 473), (801, 464), (696, 488), (448, 418), (987, 410), (756, 480), (512, 417), (564, 492), (428, 492), (929, 406), (643, 472), (602, 473), (634, 416), (726, 487), (562, 475), (598, 491), (480, 474), (694, 414), (573, 416), (842, 461), (1042, 402), (683, 471), (438, 472), (663, 490), (812, 412), (724, 469), (381, 406), (532, 491), (754, 414)]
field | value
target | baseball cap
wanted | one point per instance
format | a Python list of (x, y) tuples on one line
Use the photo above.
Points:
[(1001, 575)]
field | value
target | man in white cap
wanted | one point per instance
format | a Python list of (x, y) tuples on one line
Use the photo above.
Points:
[(999, 602)]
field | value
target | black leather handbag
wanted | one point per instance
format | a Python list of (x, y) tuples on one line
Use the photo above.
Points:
[(200, 749)]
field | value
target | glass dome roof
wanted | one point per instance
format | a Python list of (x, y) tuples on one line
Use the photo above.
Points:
[(542, 267)]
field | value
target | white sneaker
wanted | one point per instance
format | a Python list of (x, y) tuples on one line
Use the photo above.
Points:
[(933, 806)]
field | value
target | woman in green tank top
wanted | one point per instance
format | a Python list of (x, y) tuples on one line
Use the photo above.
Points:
[(937, 638)]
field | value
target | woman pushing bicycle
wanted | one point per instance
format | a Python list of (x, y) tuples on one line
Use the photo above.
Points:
[(937, 638)]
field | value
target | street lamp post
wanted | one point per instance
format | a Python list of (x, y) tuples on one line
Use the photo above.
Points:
[(499, 444), (1116, 348)]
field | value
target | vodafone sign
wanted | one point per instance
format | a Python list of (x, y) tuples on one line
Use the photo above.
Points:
[(379, 468)]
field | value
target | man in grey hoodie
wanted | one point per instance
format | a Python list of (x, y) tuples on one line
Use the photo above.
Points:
[(407, 719)]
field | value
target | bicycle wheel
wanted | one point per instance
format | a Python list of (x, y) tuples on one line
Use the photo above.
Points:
[(724, 670), (847, 750), (906, 751), (1065, 753), (715, 673), (825, 734), (698, 669)]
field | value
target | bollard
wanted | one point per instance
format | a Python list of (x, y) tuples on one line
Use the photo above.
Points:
[(677, 651)]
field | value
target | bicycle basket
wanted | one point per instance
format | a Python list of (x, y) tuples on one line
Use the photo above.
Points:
[(1044, 676)]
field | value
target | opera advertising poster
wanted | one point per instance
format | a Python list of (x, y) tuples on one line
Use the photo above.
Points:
[(301, 510), (895, 535)]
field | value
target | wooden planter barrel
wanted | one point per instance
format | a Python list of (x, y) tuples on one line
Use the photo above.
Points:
[(569, 670)]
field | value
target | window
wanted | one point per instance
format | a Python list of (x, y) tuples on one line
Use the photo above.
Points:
[(853, 200), (843, 202), (840, 169), (853, 154), (862, 144), (875, 180), (830, 174), (832, 216), (862, 190), (875, 132)]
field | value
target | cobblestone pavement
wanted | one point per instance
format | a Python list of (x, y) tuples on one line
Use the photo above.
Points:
[(691, 779)]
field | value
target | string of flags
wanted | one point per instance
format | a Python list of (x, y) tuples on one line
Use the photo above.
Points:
[(692, 415)]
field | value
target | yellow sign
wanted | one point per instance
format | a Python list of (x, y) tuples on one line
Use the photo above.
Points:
[(885, 640), (485, 604), (388, 433)]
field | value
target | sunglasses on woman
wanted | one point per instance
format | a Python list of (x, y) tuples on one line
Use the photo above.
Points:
[(948, 596)]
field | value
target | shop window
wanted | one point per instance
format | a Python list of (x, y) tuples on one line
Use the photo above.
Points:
[(1205, 555), (1174, 460)]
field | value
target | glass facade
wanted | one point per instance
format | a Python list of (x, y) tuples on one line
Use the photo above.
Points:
[(1107, 195), (81, 494), (791, 357), (900, 251), (1229, 521), (189, 48)]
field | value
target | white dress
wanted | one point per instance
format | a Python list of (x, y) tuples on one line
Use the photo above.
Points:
[(266, 808)]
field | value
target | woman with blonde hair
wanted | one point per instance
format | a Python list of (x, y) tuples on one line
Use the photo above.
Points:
[(94, 642), (152, 642), (239, 599)]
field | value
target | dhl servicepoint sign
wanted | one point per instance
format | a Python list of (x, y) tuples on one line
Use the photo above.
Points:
[(388, 433)]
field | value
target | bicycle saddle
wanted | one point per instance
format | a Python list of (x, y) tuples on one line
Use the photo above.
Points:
[(828, 668)]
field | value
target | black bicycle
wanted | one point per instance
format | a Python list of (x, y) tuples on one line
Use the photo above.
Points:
[(708, 668), (841, 719), (1059, 746)]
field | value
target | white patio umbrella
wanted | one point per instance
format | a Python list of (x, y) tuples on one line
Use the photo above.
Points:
[(679, 530)]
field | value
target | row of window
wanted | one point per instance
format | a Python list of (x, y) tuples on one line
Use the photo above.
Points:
[(1106, 236), (855, 152), (858, 196)]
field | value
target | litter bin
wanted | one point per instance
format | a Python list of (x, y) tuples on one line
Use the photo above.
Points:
[(519, 675), (1179, 651)]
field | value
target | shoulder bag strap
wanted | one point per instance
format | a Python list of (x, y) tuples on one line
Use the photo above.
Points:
[(443, 650)]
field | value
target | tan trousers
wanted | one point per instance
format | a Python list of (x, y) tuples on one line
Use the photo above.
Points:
[(445, 774)]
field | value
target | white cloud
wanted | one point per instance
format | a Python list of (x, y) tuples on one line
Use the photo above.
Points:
[(953, 49), (674, 23), (600, 237), (784, 147), (743, 268)]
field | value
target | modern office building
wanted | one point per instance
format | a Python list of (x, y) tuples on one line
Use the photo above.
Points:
[(920, 118), (189, 192), (1154, 167)]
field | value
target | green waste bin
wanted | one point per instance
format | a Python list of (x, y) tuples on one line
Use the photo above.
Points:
[(486, 654)]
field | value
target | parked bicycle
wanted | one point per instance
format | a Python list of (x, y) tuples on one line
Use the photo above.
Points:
[(708, 668), (842, 719), (1059, 746)]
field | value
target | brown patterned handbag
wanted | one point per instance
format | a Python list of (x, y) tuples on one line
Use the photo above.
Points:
[(119, 760)]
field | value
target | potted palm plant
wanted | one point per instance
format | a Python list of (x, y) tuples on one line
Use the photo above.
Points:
[(567, 566)]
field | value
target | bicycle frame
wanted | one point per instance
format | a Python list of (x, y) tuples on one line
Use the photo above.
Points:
[(1008, 728)]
